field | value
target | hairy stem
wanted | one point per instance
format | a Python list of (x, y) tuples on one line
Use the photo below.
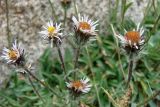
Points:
[(33, 76), (155, 24), (34, 88), (42, 83), (154, 6), (75, 7), (53, 11), (123, 10), (130, 69), (76, 60), (95, 86), (65, 16), (61, 59), (118, 52)]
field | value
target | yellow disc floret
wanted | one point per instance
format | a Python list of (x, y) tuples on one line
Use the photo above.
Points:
[(13, 55), (51, 29)]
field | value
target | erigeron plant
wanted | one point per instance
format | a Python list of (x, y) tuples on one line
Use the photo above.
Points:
[(84, 29), (132, 42)]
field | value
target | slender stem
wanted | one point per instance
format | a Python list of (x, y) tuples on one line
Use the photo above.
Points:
[(42, 83), (7, 29), (153, 29), (34, 88), (76, 60), (130, 69), (95, 86), (123, 10), (75, 7), (65, 16), (118, 52), (149, 98), (148, 8), (53, 10), (61, 59), (154, 6), (155, 24), (33, 76), (74, 103)]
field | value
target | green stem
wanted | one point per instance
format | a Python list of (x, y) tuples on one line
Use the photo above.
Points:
[(154, 6), (94, 81), (53, 11), (76, 60), (61, 59), (65, 16), (118, 52), (130, 68), (153, 29), (148, 8), (123, 10), (75, 7), (34, 88), (42, 83), (155, 24)]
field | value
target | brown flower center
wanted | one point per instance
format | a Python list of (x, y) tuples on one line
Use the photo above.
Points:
[(77, 85), (13, 55), (133, 36), (84, 26)]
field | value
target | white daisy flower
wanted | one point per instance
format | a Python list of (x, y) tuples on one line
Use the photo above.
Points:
[(132, 40), (79, 86), (14, 55), (52, 31), (84, 28)]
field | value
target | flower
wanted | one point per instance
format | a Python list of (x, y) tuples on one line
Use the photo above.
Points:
[(79, 86), (52, 32), (84, 28), (132, 40), (15, 55)]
